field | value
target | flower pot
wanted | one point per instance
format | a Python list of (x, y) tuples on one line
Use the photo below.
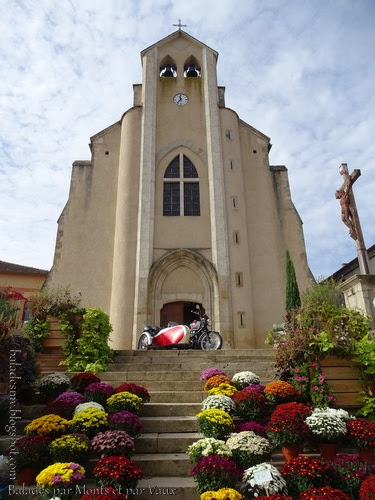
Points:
[(290, 452), (328, 450), (367, 455), (26, 477)]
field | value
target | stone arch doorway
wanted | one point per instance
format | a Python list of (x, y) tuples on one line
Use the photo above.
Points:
[(181, 277), (179, 311)]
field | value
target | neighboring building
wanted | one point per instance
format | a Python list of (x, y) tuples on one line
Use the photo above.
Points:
[(20, 283), (352, 268), (180, 206)]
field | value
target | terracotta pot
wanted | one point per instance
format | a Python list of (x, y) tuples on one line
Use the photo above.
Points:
[(290, 452), (26, 477), (328, 450), (367, 455)]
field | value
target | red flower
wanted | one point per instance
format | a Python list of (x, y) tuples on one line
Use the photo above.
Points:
[(362, 432), (325, 492), (367, 490), (134, 389)]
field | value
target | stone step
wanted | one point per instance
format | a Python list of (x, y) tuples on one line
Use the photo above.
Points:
[(151, 424), (173, 397), (170, 409), (166, 442), (175, 353), (178, 488), (150, 442), (170, 424), (256, 367), (164, 464), (143, 377)]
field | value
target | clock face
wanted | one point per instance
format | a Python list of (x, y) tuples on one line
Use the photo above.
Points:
[(180, 99)]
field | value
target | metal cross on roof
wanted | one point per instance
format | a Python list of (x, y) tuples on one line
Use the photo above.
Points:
[(180, 25)]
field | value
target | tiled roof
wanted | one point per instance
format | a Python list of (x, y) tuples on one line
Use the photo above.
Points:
[(8, 267)]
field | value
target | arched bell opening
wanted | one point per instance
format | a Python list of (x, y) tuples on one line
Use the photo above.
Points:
[(192, 68), (168, 68)]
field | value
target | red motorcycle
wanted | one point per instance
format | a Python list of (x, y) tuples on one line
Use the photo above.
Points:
[(195, 336)]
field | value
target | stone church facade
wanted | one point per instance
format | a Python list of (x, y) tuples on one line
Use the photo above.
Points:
[(179, 206)]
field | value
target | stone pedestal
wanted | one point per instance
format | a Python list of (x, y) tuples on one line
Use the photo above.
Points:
[(359, 293)]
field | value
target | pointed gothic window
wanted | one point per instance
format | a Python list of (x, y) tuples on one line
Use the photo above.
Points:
[(181, 196)]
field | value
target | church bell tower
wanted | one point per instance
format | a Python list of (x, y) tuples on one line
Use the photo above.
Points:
[(191, 211)]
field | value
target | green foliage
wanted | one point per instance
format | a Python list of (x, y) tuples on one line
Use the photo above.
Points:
[(364, 353), (293, 298), (320, 326), (36, 330), (87, 346), (368, 405)]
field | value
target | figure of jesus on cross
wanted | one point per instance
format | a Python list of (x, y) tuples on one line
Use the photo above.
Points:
[(349, 214)]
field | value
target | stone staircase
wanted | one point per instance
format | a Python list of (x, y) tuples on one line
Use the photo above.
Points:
[(172, 379)]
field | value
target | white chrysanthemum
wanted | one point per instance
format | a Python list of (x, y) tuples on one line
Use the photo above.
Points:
[(326, 427), (336, 412), (249, 442), (250, 487), (243, 379), (84, 406), (220, 402), (208, 446)]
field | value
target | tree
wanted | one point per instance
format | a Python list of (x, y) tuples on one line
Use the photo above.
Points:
[(293, 298)]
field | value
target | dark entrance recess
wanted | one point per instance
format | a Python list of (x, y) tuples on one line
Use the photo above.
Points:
[(180, 312)]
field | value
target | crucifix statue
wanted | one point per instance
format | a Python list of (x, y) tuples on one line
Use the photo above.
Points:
[(349, 214), (180, 25)]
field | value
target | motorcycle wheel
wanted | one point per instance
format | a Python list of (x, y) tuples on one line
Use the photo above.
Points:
[(143, 342), (210, 341)]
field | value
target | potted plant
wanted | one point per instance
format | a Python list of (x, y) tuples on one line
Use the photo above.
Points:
[(287, 428), (327, 429), (89, 422), (223, 389), (222, 494), (52, 385), (207, 446), (215, 381), (251, 488), (220, 402), (65, 404), (367, 489), (112, 442), (138, 390), (125, 421), (117, 472), (249, 404), (32, 456), (251, 426), (81, 380), (242, 379), (361, 433), (248, 448), (278, 392), (98, 392), (351, 471), (303, 473), (69, 447), (48, 425), (211, 372), (214, 472), (85, 406), (63, 477), (214, 423), (124, 401), (326, 492)]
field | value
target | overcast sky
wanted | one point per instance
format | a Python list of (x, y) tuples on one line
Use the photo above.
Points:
[(300, 71)]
